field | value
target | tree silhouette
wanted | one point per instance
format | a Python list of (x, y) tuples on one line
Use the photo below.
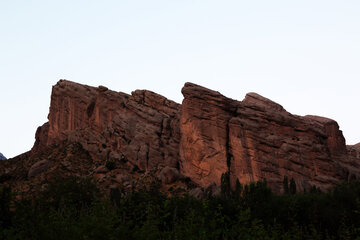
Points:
[(292, 187), (286, 185)]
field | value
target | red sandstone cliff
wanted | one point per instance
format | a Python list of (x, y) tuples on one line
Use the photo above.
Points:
[(142, 127), (258, 139), (209, 134)]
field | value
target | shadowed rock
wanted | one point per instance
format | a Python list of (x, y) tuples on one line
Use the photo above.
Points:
[(39, 167), (198, 193), (169, 175)]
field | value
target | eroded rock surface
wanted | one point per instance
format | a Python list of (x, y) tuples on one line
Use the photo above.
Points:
[(258, 139), (208, 135), (142, 128)]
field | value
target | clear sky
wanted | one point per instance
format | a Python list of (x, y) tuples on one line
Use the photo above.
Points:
[(304, 54)]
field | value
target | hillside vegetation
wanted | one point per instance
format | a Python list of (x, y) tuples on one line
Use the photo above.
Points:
[(73, 208)]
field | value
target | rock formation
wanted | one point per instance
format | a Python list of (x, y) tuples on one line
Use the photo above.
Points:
[(204, 137), (257, 139), (142, 128), (2, 157)]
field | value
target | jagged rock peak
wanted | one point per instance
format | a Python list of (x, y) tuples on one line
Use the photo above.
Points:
[(198, 93), (258, 100), (192, 89)]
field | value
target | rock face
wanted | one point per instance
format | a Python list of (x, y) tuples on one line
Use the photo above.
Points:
[(258, 139), (2, 157), (208, 135), (204, 123), (142, 128)]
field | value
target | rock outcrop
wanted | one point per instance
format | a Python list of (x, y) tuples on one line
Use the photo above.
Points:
[(141, 128), (204, 137), (257, 139), (2, 157)]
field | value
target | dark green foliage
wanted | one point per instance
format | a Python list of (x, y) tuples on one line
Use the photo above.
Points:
[(314, 189), (70, 192), (292, 187), (5, 177), (238, 189), (5, 201), (225, 185), (72, 208), (286, 185)]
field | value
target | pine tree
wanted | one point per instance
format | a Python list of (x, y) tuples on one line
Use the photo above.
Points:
[(238, 189), (292, 188), (286, 185), (225, 184)]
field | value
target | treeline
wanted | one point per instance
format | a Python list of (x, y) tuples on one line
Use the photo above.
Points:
[(73, 208)]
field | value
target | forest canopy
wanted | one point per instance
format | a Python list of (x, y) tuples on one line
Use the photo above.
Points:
[(73, 208)]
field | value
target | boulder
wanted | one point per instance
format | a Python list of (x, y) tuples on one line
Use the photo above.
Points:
[(169, 175), (198, 193), (39, 167), (213, 189)]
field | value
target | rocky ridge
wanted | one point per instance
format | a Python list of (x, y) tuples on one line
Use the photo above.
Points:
[(2, 157), (199, 140)]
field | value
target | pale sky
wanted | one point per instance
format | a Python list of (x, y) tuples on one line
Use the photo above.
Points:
[(304, 54)]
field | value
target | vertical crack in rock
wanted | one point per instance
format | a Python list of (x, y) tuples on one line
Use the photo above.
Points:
[(228, 146), (161, 128), (90, 108)]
